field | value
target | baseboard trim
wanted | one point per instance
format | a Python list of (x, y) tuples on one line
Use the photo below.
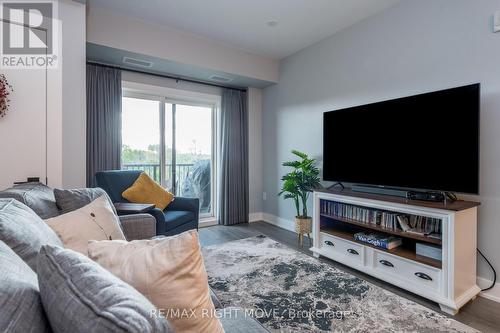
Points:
[(208, 222), (278, 221), (493, 294), (255, 217)]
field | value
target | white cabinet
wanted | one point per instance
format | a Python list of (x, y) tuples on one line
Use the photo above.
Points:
[(451, 282)]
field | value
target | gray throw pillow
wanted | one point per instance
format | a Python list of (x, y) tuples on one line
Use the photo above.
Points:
[(80, 296), (20, 304), (36, 196), (71, 200), (24, 231)]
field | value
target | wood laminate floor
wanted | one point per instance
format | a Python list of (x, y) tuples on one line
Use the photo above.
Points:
[(481, 313)]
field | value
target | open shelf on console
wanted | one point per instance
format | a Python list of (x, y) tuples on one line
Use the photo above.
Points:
[(385, 230), (401, 251), (344, 220)]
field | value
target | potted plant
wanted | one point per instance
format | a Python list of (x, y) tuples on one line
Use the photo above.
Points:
[(297, 185)]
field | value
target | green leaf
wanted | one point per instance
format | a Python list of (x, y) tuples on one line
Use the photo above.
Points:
[(299, 154), (293, 164)]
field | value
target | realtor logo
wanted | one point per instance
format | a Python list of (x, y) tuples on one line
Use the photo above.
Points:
[(28, 34), (29, 30)]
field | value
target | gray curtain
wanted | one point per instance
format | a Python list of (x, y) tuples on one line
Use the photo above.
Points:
[(104, 107), (233, 193)]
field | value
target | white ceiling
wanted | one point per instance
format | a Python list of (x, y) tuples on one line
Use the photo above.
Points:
[(243, 23)]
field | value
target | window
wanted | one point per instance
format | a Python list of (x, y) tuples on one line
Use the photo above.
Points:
[(173, 142)]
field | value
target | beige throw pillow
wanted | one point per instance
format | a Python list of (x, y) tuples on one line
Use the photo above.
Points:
[(170, 272), (95, 221)]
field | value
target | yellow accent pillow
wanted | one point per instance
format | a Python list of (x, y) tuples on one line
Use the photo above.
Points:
[(146, 191)]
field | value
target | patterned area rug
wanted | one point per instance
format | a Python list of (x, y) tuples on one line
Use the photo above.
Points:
[(288, 291)]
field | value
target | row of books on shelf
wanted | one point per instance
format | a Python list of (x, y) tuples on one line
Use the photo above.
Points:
[(417, 224)]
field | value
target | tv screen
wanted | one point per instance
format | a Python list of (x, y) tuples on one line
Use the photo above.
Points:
[(428, 142)]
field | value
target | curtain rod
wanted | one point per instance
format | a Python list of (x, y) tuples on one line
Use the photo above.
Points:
[(162, 75)]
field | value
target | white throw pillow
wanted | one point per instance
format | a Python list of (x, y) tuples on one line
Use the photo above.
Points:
[(95, 221)]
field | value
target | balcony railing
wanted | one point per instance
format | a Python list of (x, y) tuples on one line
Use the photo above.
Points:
[(182, 172)]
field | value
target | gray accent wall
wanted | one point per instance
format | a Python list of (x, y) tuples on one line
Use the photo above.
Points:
[(411, 48), (255, 151)]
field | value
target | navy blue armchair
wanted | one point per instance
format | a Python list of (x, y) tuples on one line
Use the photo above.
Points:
[(181, 215)]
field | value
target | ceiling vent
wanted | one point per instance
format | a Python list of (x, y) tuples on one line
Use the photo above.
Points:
[(137, 62), (221, 79)]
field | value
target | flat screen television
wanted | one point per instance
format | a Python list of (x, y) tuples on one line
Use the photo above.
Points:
[(426, 142)]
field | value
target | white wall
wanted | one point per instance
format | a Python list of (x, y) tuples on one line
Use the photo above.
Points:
[(62, 92), (22, 130), (413, 47), (74, 107), (104, 27), (255, 152)]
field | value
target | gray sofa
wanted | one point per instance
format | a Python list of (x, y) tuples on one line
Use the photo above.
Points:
[(26, 236), (42, 200)]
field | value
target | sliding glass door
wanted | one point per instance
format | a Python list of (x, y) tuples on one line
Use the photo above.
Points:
[(189, 152), (172, 141), (141, 136)]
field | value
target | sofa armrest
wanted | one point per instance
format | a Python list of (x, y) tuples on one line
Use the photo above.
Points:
[(215, 299), (236, 320), (188, 204), (138, 226)]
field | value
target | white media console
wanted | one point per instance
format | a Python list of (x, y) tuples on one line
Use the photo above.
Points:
[(451, 281)]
